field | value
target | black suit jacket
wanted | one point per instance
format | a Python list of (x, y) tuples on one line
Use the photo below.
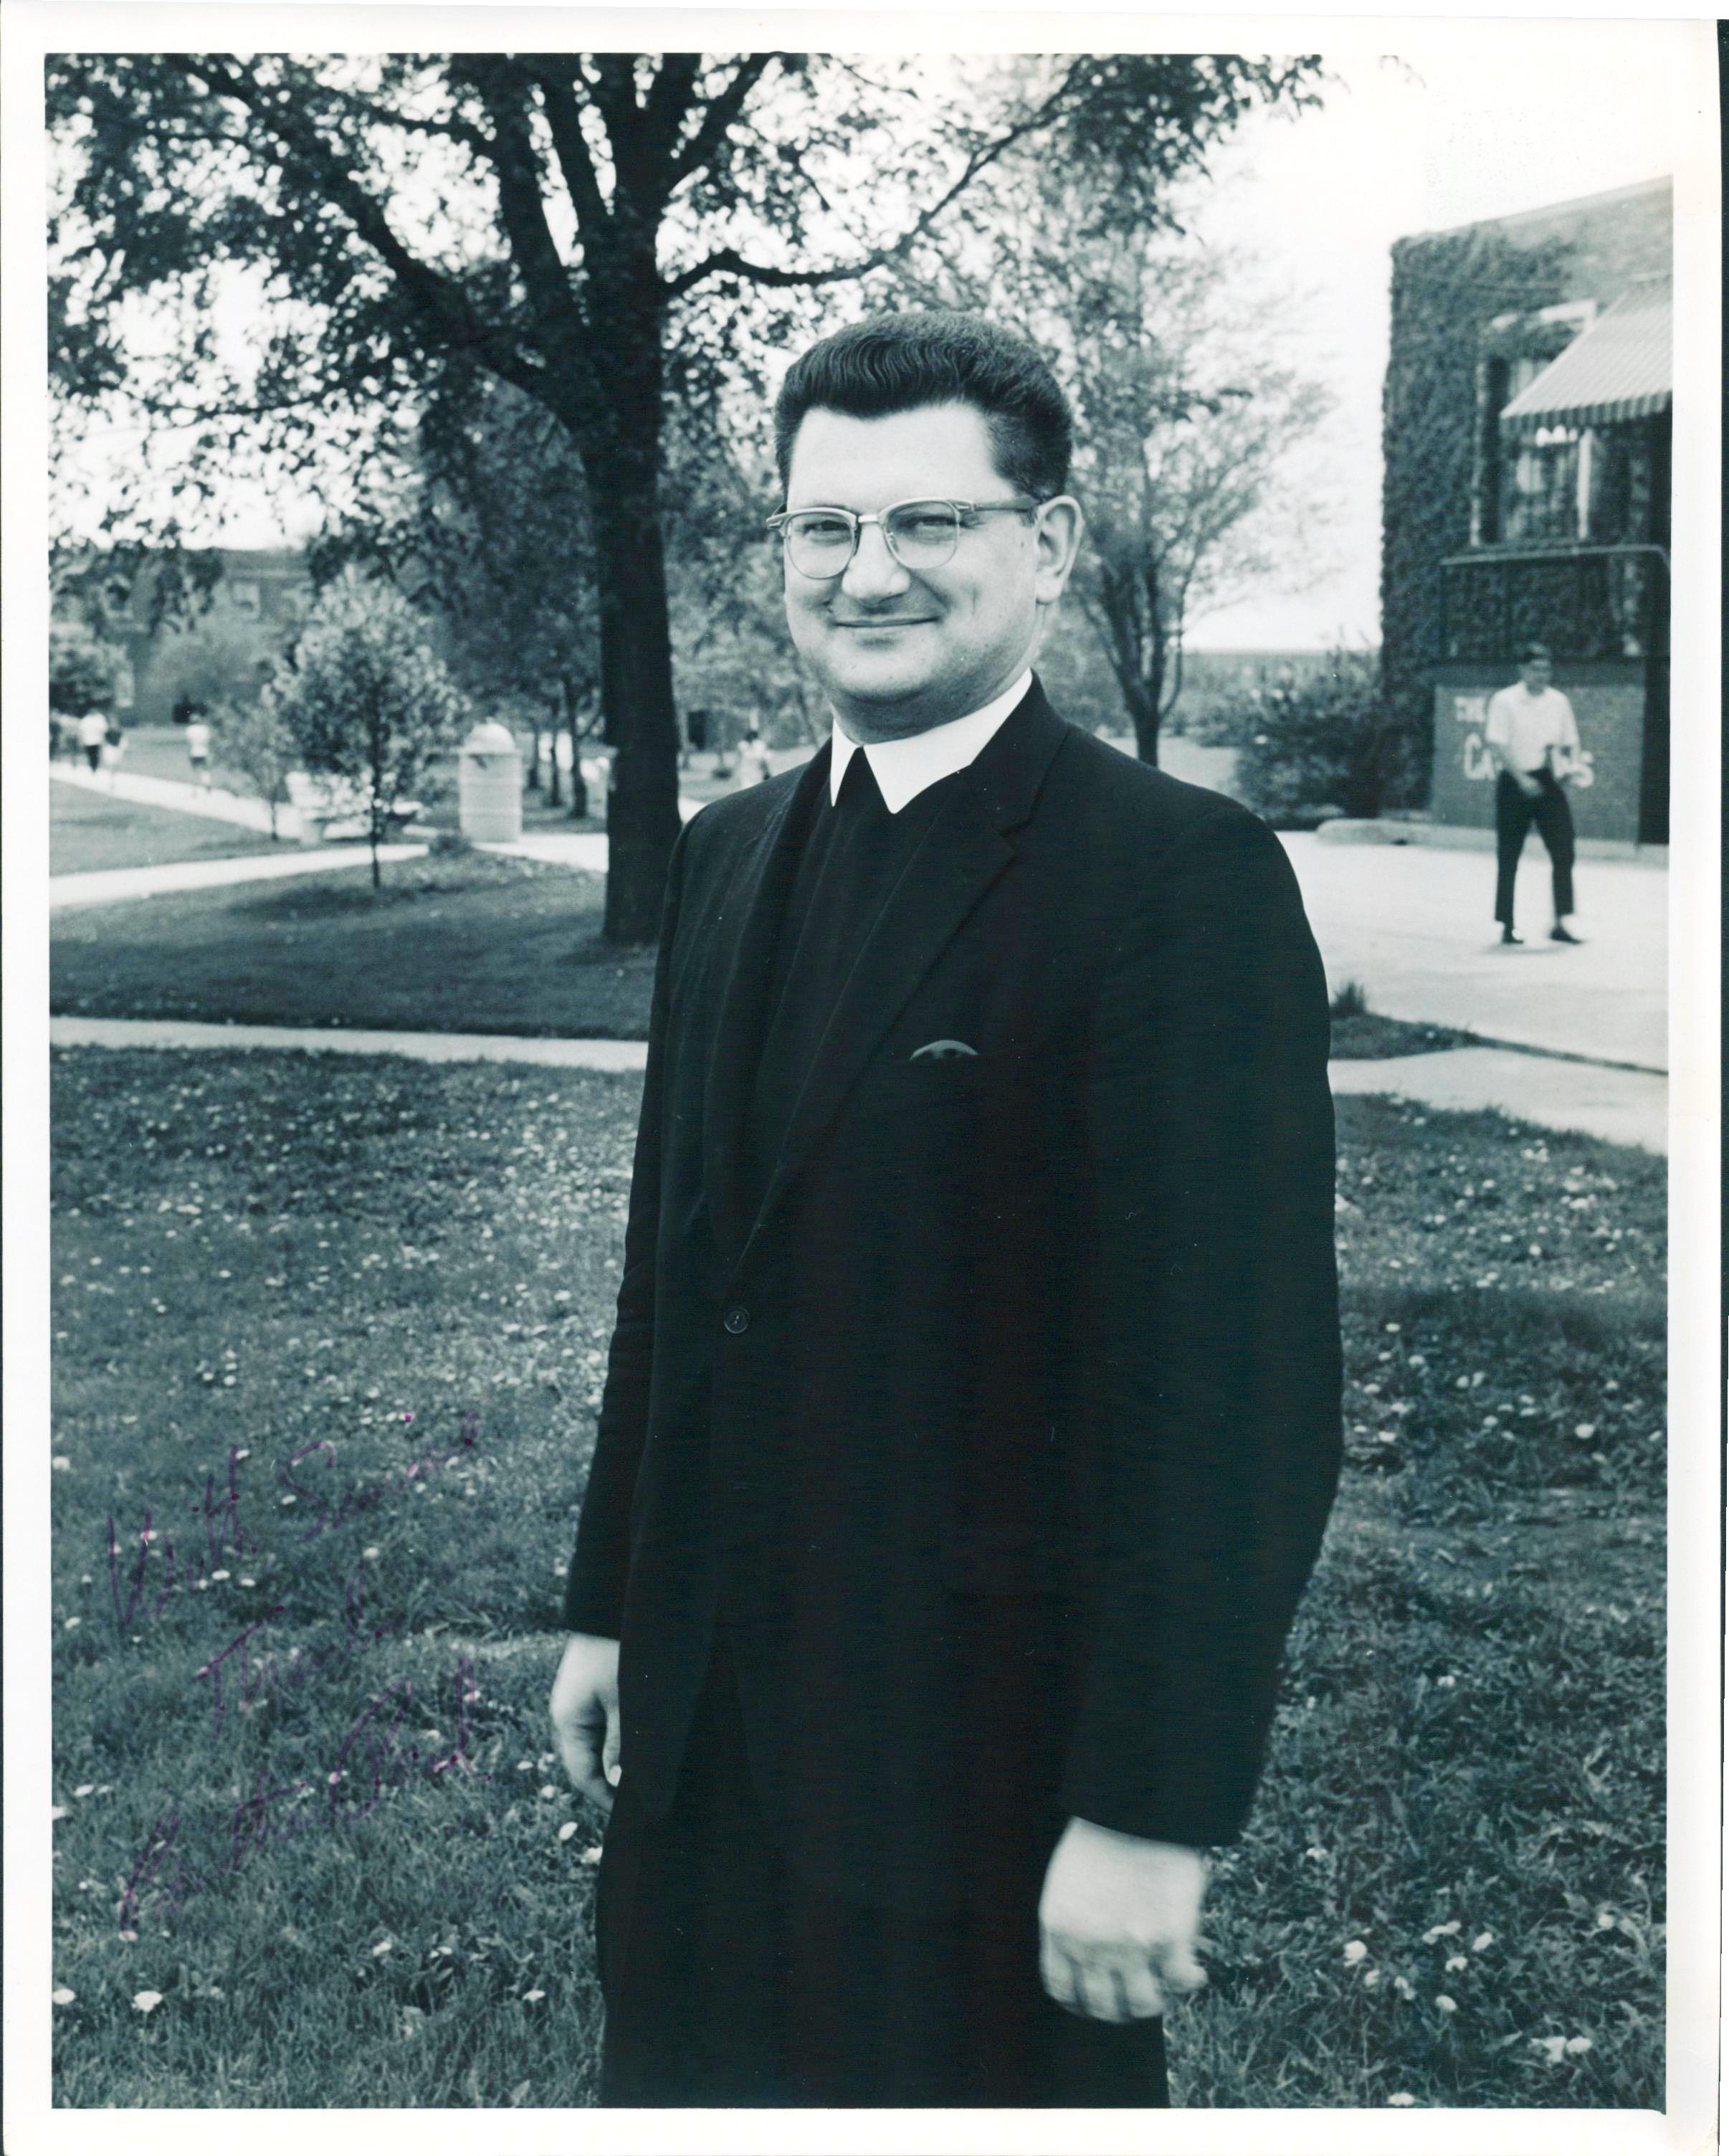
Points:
[(1001, 1433)]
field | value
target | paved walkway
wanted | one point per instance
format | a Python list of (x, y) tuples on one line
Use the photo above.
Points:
[(104, 887), (349, 1040), (1629, 1107), (1413, 924), (215, 802)]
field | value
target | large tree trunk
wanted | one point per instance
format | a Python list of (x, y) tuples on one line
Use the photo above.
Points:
[(636, 643)]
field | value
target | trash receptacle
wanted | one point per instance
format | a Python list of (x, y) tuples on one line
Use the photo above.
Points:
[(490, 785)]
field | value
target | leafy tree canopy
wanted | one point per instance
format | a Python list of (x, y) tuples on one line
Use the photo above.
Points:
[(579, 225)]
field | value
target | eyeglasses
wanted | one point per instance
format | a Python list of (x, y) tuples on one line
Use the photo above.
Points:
[(920, 534)]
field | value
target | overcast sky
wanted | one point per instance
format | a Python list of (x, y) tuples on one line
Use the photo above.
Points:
[(1459, 122)]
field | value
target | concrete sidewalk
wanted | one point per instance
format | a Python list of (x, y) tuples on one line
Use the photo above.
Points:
[(214, 802), (1412, 924), (1626, 1107), (108, 886)]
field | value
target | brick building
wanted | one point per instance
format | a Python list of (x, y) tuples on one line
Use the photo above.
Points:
[(236, 599), (1527, 441)]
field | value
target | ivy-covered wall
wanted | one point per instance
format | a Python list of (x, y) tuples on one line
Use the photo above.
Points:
[(1447, 287)]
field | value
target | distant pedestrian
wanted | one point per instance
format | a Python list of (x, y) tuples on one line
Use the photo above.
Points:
[(114, 747), (197, 747), (1533, 738), (753, 764), (92, 736)]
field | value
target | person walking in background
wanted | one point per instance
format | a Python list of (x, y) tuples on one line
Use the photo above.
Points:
[(753, 766), (197, 746), (92, 734), (1533, 737), (114, 747)]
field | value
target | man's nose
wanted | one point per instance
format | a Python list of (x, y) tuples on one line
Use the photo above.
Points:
[(873, 572)]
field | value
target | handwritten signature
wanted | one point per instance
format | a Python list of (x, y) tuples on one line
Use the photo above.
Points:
[(371, 1758), (224, 1534)]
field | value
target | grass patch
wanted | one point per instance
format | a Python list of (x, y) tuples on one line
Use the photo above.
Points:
[(91, 831), (260, 1255), (466, 943)]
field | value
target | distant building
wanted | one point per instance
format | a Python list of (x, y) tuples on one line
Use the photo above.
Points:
[(1528, 442), (230, 592)]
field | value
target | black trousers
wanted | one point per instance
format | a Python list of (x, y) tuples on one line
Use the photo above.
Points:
[(729, 1981), (1515, 812)]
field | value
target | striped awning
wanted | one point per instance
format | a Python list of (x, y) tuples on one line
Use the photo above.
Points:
[(1620, 368)]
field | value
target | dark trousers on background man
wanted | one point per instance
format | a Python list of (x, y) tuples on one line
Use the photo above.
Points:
[(1515, 812)]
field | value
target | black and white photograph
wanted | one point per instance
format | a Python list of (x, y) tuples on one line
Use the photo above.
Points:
[(861, 1034)]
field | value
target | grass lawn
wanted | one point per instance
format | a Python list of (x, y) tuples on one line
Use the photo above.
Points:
[(90, 831), (265, 1265), (463, 943)]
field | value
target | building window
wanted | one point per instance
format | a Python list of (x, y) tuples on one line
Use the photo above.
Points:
[(1540, 498)]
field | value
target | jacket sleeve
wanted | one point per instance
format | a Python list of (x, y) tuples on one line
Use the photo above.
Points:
[(1211, 1133), (594, 1590)]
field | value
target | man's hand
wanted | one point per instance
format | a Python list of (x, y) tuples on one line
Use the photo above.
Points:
[(1117, 1922), (584, 1708)]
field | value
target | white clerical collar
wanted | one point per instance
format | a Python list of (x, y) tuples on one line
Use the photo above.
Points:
[(903, 769)]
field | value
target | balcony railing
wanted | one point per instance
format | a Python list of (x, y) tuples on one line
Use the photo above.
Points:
[(1582, 601)]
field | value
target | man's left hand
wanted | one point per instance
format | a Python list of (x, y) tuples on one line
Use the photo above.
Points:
[(1117, 1920)]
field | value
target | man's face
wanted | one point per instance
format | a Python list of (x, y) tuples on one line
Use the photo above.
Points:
[(1536, 674), (899, 651)]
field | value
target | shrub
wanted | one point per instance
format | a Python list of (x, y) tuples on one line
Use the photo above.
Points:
[(82, 670), (1326, 746)]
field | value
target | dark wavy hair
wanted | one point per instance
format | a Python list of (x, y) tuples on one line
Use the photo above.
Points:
[(898, 362)]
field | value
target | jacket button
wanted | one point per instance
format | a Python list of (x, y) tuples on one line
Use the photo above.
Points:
[(737, 1319)]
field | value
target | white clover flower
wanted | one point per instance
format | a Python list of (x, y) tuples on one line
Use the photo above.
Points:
[(383, 1947), (1401, 2100), (61, 1996), (146, 2002), (1483, 1939), (1552, 2047), (1355, 1951), (1578, 2044), (1457, 1961), (566, 1831), (532, 1995), (1447, 2006)]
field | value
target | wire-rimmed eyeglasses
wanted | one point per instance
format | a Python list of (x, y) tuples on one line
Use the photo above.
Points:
[(920, 534)]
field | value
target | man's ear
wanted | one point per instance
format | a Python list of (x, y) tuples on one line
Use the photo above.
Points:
[(1057, 535)]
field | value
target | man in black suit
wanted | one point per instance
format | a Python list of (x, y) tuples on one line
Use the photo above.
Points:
[(973, 1411)]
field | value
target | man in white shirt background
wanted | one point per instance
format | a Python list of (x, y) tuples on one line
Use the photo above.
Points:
[(1533, 738)]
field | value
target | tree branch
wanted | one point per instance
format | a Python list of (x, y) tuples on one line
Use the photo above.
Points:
[(564, 118), (722, 110), (727, 260), (437, 302)]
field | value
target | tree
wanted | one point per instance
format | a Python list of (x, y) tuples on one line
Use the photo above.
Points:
[(219, 660), (481, 517), (82, 670), (551, 218), (366, 700), (1186, 424), (256, 739)]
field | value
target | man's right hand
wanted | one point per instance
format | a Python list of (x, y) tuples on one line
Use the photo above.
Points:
[(584, 1706)]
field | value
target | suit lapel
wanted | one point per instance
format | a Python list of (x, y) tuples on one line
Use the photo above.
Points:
[(963, 855), (762, 883)]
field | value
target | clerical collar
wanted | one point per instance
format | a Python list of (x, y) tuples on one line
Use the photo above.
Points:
[(903, 769)]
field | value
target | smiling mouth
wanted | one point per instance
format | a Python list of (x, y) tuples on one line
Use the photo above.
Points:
[(898, 621)]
